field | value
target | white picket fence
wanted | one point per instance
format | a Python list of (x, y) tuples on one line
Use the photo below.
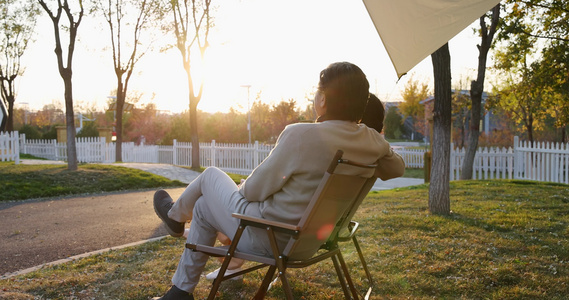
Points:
[(234, 158), (489, 163), (89, 150), (413, 157), (541, 162), (9, 147)]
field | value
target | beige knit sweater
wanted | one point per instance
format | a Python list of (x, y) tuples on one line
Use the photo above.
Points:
[(284, 182)]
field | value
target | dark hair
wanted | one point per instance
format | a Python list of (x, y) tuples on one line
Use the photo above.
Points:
[(374, 113), (346, 89)]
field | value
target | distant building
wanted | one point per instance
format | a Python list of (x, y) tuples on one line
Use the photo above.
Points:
[(409, 131), (390, 104), (488, 123)]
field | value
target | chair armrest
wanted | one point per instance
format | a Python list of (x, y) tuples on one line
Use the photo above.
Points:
[(264, 223), (352, 231)]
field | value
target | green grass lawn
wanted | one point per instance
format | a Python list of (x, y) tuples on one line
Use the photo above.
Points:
[(21, 182), (414, 173), (504, 240)]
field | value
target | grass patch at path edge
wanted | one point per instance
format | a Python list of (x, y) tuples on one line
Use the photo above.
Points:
[(20, 182)]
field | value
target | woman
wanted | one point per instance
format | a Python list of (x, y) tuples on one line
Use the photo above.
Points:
[(280, 188)]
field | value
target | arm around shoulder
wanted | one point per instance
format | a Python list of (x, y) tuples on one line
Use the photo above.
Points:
[(390, 166)]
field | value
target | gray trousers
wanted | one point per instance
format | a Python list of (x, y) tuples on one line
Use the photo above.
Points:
[(208, 202)]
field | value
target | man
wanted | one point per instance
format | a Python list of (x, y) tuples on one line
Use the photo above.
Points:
[(279, 188)]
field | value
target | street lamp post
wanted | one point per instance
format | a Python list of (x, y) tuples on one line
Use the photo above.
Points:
[(248, 86)]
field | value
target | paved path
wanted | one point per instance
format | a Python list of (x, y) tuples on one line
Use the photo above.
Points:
[(36, 232), (169, 171), (41, 231)]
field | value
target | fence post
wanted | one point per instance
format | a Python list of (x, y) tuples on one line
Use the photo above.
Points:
[(104, 149), (2, 138), (452, 162), (256, 155), (213, 158), (566, 167), (16, 150), (55, 152), (190, 154), (427, 166), (174, 152), (517, 160), (5, 144), (101, 148), (23, 142)]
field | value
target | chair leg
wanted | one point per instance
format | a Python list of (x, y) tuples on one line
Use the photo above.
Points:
[(362, 259), (280, 262), (218, 279), (262, 291), (286, 286), (225, 264), (347, 275), (341, 277)]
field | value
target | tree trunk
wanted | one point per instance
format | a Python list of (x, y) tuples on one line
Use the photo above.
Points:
[(118, 122), (193, 115), (529, 127), (474, 132), (8, 99), (439, 198), (70, 122), (476, 91), (194, 139), (194, 133), (10, 119), (65, 72), (462, 134)]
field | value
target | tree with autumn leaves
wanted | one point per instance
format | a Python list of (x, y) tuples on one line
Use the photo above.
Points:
[(533, 60), (130, 24), (17, 25), (267, 122)]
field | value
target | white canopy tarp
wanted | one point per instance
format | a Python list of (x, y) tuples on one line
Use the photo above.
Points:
[(413, 29)]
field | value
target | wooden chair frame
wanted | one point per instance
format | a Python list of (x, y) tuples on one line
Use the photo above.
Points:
[(328, 193), (352, 228)]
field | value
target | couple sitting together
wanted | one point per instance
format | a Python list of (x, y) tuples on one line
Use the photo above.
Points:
[(281, 187)]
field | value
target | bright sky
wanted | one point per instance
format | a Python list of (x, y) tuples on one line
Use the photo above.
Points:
[(276, 47)]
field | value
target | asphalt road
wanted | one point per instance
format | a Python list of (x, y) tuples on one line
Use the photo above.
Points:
[(41, 231)]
